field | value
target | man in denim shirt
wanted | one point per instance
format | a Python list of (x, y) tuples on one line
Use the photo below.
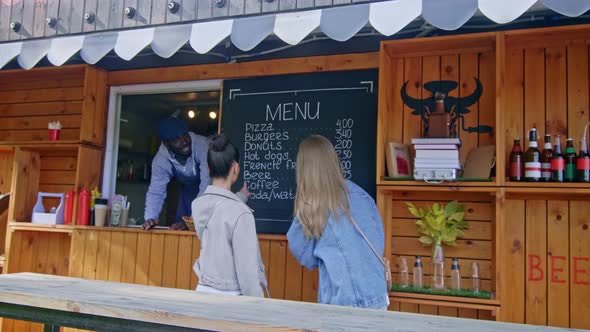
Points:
[(182, 155)]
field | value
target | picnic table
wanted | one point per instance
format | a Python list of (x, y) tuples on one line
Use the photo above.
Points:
[(109, 306)]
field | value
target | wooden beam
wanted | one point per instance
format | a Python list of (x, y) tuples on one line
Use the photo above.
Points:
[(246, 69), (187, 309)]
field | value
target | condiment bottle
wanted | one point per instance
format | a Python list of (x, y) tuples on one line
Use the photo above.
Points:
[(83, 207)]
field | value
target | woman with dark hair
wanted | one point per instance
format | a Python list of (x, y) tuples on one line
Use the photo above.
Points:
[(230, 261)]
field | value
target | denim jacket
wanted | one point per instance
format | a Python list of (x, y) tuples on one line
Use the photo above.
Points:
[(350, 273)]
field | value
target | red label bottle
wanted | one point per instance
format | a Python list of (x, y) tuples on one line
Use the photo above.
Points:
[(516, 164), (557, 162), (83, 207)]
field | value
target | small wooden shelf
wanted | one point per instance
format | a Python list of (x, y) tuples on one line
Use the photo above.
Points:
[(447, 186), (548, 188), (35, 143), (565, 185), (441, 300), (45, 145), (28, 226)]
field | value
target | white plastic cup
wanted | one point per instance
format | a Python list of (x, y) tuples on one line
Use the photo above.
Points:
[(124, 217), (100, 211)]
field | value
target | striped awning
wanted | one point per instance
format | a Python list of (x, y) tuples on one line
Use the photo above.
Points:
[(339, 23)]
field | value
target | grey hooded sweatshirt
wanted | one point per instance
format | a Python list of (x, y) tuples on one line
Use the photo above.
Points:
[(230, 254)]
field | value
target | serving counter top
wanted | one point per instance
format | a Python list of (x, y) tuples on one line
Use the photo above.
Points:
[(30, 227)]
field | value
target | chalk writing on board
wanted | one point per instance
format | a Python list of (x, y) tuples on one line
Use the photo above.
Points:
[(267, 118)]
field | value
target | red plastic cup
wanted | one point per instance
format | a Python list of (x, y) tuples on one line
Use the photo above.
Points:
[(54, 134)]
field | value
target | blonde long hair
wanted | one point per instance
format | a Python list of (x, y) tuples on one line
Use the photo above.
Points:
[(321, 189)]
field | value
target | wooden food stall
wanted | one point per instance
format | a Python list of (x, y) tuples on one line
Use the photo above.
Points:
[(530, 240)]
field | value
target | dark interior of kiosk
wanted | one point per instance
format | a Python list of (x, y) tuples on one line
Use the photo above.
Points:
[(139, 142)]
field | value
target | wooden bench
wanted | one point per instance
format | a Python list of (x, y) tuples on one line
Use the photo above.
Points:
[(108, 306)]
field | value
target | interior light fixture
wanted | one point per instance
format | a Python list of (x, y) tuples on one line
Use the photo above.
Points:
[(191, 114), (212, 115)]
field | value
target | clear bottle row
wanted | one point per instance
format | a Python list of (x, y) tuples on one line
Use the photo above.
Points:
[(438, 278)]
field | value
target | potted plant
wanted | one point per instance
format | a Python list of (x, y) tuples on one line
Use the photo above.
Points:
[(439, 225)]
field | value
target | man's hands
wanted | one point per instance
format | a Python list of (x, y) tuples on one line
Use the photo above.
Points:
[(245, 191), (179, 226), (149, 224)]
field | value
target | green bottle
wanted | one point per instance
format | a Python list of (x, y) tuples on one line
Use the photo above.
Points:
[(583, 162), (570, 161)]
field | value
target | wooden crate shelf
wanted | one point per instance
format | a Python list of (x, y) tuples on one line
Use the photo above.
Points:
[(39, 143), (30, 227), (386, 185), (538, 231), (446, 301)]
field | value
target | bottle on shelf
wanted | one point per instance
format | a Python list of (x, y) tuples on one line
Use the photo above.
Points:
[(403, 271), (119, 170), (69, 207), (546, 155), (131, 171), (569, 154), (418, 272), (532, 159), (455, 274), (516, 162), (583, 162), (557, 162), (475, 277), (438, 269), (146, 174), (83, 207)]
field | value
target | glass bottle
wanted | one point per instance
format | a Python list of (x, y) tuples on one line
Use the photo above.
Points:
[(583, 162), (418, 272), (516, 164), (131, 171), (455, 275), (475, 277), (570, 161), (438, 268), (405, 282), (546, 155), (532, 158), (557, 162)]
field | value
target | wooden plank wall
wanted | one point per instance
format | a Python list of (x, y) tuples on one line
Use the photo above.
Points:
[(547, 263), (398, 124), (546, 252), (110, 14), (475, 246), (58, 171), (162, 259), (6, 162), (548, 88), (39, 252), (166, 259), (29, 101)]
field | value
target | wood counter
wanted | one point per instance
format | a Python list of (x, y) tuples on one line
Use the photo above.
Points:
[(58, 296)]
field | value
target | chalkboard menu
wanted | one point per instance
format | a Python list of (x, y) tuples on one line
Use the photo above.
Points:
[(267, 118)]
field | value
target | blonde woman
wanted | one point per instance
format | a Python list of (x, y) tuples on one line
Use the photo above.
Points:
[(323, 234)]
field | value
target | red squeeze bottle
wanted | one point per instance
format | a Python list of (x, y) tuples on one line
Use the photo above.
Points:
[(69, 207), (83, 207)]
